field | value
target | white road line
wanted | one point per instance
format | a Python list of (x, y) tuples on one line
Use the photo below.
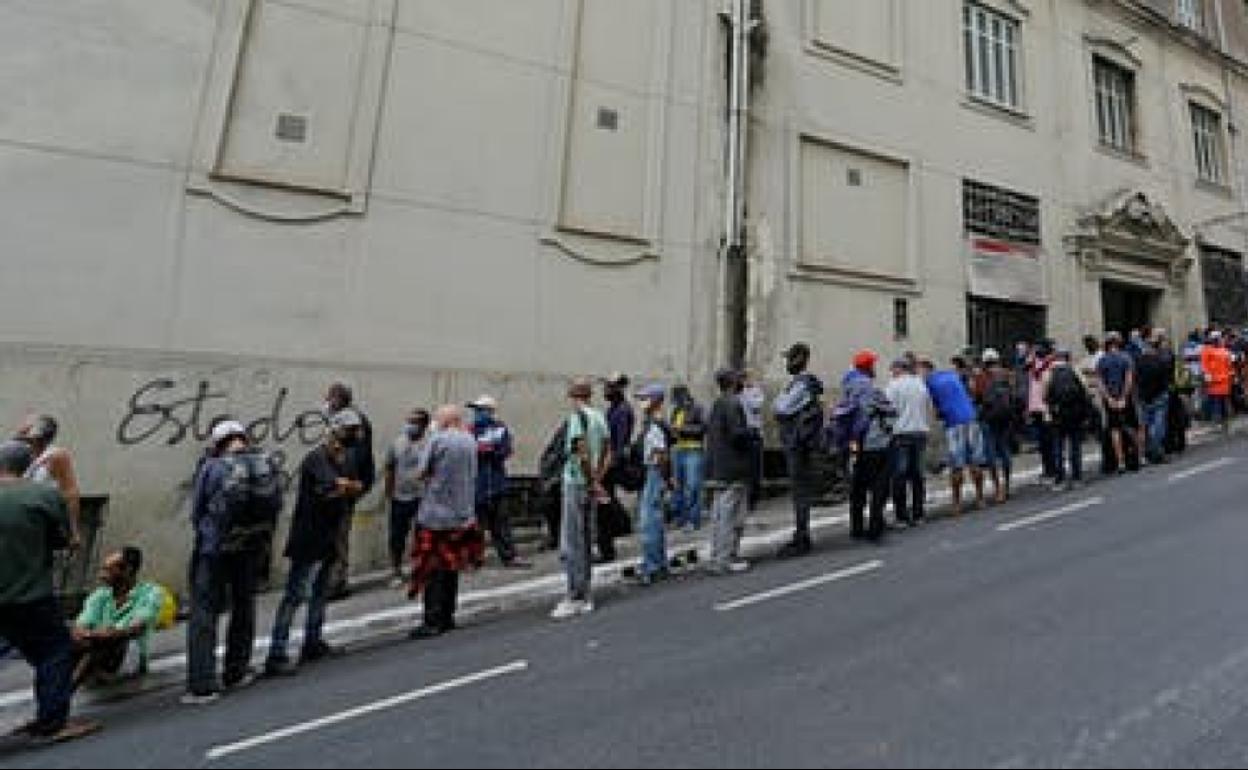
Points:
[(1202, 468), (1053, 514), (802, 585), (217, 752)]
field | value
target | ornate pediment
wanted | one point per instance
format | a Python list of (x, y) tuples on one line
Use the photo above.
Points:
[(1132, 234)]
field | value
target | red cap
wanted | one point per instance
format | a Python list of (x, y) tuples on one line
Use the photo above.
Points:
[(865, 359)]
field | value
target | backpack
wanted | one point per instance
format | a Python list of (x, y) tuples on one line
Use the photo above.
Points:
[(1067, 397), (555, 455), (805, 430), (998, 403), (251, 499), (846, 424)]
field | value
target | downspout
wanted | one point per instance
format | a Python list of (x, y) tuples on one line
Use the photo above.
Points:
[(736, 275)]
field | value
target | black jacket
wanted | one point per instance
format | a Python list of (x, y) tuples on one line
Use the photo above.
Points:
[(729, 442)]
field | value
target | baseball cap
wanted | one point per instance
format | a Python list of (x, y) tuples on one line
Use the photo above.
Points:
[(990, 356), (651, 392), (617, 378), (346, 418), (226, 429), (483, 402), (865, 359)]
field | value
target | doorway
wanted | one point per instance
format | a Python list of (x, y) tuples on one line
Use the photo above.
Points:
[(1126, 307)]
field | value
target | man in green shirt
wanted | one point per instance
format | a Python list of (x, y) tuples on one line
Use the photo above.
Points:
[(34, 522), (116, 622)]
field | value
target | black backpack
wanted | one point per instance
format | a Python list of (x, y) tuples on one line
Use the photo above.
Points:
[(1067, 398), (251, 495), (998, 403)]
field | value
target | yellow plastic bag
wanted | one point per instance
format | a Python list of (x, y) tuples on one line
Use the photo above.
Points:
[(168, 614)]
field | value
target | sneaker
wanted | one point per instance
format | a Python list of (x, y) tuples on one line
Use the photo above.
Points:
[(425, 632), (730, 567), (199, 699), (570, 608), (585, 607), (241, 682), (280, 667), (319, 651), (799, 546)]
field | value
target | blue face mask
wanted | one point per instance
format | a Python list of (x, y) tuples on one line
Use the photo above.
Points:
[(483, 418)]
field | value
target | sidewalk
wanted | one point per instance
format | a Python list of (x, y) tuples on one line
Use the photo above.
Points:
[(375, 612)]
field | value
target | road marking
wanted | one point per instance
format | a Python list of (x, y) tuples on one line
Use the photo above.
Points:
[(802, 585), (1053, 514), (1202, 468), (217, 752)]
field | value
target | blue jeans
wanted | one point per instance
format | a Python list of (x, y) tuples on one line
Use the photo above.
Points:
[(1072, 437), (1155, 413), (39, 634), (651, 525), (687, 501), (308, 581), (997, 447)]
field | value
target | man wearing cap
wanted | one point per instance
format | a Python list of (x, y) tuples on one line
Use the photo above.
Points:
[(237, 498), (587, 447), (799, 413), (358, 441), (494, 446), (326, 492), (620, 420), (655, 456), (1216, 363), (993, 392), (872, 424), (729, 442), (908, 395)]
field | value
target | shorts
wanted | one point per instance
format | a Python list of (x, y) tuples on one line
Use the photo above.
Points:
[(966, 446)]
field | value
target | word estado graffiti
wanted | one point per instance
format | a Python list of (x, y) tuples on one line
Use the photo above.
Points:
[(157, 411)]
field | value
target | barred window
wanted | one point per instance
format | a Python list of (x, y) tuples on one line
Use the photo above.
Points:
[(1000, 213)]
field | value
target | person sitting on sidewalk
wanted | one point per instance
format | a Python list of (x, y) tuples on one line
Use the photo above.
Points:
[(449, 539), (113, 631)]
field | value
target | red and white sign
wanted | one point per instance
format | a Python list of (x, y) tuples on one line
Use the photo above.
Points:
[(1005, 270)]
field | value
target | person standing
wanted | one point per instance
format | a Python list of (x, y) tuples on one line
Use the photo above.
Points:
[(1066, 396), (33, 523), (1216, 364), (994, 395), (728, 460), (1117, 382), (494, 446), (689, 458), (799, 412), (871, 419), (956, 411), (404, 487), (237, 498), (53, 465), (620, 420), (908, 395), (448, 540), (1037, 410), (655, 455), (1156, 371), (326, 491), (358, 442), (754, 399), (587, 449)]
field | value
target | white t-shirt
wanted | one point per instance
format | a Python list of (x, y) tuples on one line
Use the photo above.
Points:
[(654, 444), (908, 394)]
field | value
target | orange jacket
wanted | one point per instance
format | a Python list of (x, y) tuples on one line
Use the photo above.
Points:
[(1216, 362)]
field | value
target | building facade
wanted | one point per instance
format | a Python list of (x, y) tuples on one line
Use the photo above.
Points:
[(217, 207)]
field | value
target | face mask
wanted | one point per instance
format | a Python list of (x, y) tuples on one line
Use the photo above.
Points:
[(414, 432)]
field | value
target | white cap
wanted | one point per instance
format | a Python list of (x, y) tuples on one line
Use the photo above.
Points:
[(990, 356), (345, 418), (227, 428), (483, 402)]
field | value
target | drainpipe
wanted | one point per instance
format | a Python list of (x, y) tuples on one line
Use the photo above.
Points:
[(736, 284)]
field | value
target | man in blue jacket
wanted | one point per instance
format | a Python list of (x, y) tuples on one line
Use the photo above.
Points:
[(957, 411)]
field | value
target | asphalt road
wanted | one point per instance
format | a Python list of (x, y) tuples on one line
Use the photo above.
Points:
[(1102, 627)]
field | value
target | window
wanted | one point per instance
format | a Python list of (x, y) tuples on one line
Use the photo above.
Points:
[(1115, 105), (901, 319), (1000, 213), (1191, 14), (1207, 139), (991, 41)]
